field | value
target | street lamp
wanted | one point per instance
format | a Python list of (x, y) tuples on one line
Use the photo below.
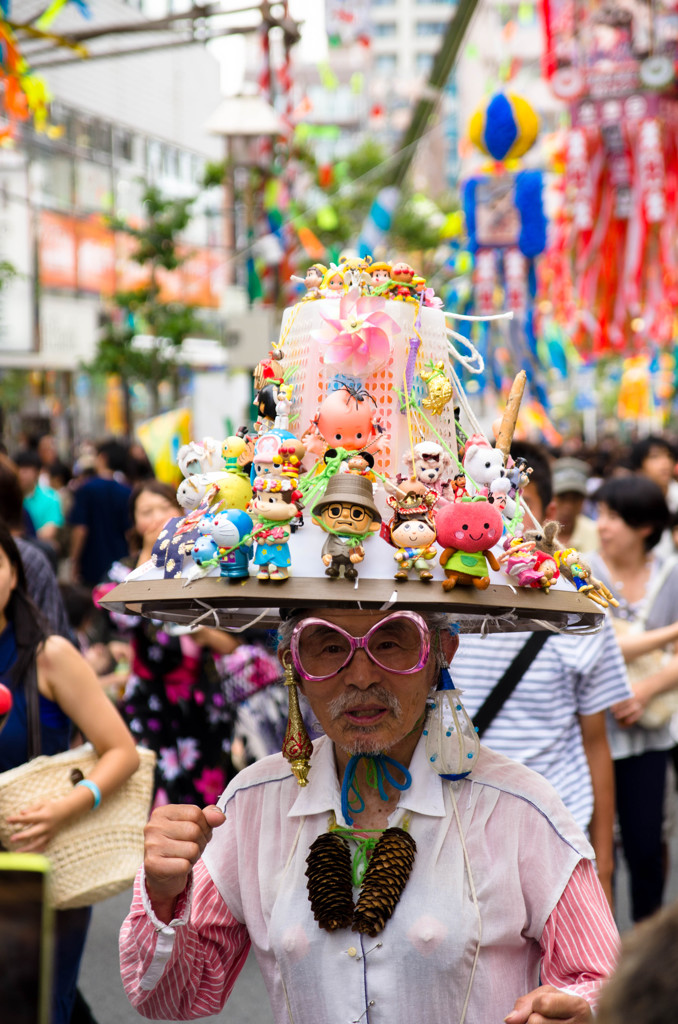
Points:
[(243, 121)]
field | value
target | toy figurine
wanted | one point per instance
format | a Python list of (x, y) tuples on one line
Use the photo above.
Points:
[(362, 464), (237, 453), (428, 464), (192, 490), (266, 402), (333, 283), (205, 553), (198, 457), (482, 464), (313, 281), (380, 277), (269, 371), (458, 487), (402, 276), (412, 531), (273, 506), (577, 571), (468, 529), (439, 388), (426, 295), (356, 271), (519, 476), (277, 453), (572, 565), (228, 529), (348, 514), (528, 566), (283, 408), (345, 419)]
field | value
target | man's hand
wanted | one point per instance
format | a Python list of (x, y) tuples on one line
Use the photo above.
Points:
[(174, 840), (547, 1003)]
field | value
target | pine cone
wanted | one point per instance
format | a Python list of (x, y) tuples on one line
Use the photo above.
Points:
[(330, 885), (386, 876)]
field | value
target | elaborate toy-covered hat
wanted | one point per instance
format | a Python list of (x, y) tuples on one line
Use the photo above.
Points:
[(365, 407)]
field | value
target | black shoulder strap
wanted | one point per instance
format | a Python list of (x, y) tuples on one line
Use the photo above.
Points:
[(496, 699), (33, 711)]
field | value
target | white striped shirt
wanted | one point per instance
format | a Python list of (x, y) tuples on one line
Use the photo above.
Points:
[(538, 725)]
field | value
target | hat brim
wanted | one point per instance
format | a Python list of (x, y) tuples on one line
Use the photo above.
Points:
[(236, 604)]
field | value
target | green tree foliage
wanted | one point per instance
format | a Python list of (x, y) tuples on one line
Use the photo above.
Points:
[(142, 312), (339, 198)]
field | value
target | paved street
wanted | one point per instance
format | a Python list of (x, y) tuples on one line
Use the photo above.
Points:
[(100, 981)]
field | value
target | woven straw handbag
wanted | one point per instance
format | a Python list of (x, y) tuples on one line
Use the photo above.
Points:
[(97, 855)]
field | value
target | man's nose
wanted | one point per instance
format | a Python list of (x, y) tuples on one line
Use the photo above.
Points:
[(361, 670)]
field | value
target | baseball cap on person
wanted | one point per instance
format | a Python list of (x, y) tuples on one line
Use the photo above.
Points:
[(570, 476)]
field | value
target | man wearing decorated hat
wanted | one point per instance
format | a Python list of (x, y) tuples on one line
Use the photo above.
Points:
[(397, 872)]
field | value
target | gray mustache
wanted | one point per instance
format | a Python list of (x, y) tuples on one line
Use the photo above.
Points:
[(361, 698)]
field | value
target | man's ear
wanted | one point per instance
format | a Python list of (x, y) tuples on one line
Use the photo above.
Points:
[(449, 643), (374, 526)]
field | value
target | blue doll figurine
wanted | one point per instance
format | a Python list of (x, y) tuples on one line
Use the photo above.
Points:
[(228, 529)]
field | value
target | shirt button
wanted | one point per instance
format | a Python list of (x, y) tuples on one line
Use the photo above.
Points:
[(352, 951)]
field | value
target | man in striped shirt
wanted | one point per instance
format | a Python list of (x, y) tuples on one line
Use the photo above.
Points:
[(500, 914), (554, 720)]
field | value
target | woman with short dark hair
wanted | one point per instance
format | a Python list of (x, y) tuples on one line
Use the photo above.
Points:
[(632, 515)]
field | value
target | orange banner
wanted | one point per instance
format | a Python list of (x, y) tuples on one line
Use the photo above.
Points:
[(86, 254)]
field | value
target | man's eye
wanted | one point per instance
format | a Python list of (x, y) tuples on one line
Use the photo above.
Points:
[(356, 513), (335, 511)]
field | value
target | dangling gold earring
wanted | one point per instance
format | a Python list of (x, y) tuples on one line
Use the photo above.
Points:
[(297, 747)]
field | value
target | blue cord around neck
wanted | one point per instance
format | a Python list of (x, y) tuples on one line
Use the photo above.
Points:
[(382, 765)]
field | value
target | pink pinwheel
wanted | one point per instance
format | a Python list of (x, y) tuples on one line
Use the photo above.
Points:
[(358, 340)]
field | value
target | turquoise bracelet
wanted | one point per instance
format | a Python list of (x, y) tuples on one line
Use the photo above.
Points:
[(94, 790)]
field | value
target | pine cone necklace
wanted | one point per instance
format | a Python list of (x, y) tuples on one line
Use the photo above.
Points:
[(382, 877)]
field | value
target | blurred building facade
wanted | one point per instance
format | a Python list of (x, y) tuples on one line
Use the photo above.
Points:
[(119, 122)]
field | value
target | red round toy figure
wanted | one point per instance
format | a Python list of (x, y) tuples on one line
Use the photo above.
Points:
[(468, 529), (5, 704)]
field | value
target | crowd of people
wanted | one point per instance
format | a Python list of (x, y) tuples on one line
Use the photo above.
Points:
[(592, 715)]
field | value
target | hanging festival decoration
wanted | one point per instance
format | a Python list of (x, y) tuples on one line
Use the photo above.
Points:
[(506, 225), (25, 95), (612, 249)]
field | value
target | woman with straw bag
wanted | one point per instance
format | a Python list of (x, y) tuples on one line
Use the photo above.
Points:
[(68, 692)]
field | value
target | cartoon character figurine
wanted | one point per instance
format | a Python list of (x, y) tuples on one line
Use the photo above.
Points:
[(401, 286), (269, 371), (228, 529), (283, 408), (413, 532), (356, 271), (428, 464), (458, 486), (333, 283), (439, 388), (274, 506), (266, 402), (577, 571), (380, 277), (348, 515), (468, 529), (313, 280)]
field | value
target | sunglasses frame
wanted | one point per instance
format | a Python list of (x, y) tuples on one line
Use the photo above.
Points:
[(361, 642)]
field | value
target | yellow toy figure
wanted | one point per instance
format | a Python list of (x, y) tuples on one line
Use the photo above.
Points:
[(333, 283), (439, 388)]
